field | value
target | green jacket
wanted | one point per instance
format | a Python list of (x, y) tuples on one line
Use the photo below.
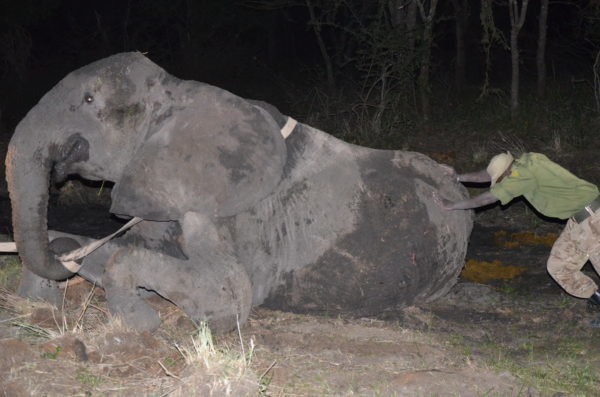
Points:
[(551, 189)]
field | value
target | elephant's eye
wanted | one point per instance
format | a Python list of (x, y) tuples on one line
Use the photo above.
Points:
[(88, 98)]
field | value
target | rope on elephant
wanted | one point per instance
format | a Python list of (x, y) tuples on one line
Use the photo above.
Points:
[(68, 259)]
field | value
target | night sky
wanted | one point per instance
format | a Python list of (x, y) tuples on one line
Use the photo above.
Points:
[(256, 49)]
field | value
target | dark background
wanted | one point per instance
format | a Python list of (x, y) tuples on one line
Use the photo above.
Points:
[(269, 50)]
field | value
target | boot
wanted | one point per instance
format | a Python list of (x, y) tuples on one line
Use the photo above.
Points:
[(594, 304), (594, 301)]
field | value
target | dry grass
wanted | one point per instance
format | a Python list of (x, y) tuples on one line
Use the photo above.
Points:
[(81, 349), (215, 371)]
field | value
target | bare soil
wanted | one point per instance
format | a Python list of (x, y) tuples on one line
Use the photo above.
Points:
[(513, 336), (521, 336)]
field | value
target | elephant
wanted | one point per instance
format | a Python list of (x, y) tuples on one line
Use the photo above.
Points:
[(234, 215)]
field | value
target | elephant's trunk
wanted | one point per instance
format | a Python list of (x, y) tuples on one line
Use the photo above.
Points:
[(28, 174)]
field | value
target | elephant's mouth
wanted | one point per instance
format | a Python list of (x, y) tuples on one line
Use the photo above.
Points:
[(75, 150)]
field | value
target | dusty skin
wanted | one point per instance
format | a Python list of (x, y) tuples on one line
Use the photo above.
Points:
[(514, 337)]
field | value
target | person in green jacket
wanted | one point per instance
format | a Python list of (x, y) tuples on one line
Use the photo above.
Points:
[(554, 192)]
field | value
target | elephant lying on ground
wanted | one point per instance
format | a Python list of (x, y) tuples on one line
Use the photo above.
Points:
[(234, 215)]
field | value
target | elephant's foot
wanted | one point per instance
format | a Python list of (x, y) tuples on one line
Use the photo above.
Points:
[(218, 292), (128, 305), (33, 286)]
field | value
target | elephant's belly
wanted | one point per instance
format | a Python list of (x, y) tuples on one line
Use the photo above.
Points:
[(382, 243)]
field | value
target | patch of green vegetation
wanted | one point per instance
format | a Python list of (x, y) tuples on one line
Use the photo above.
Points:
[(378, 391), (34, 331), (10, 271), (52, 355), (263, 386), (571, 347), (566, 302), (169, 362), (562, 371), (86, 378), (457, 340), (507, 289)]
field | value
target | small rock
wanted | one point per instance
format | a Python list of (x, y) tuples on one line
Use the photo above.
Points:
[(65, 347), (80, 350)]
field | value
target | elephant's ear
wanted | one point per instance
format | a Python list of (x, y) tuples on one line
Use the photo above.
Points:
[(218, 156)]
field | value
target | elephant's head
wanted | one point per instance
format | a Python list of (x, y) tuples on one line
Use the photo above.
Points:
[(170, 146)]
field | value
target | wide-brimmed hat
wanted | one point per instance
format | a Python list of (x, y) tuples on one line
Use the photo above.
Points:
[(498, 165)]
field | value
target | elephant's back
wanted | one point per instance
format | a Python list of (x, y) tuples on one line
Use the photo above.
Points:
[(367, 235)]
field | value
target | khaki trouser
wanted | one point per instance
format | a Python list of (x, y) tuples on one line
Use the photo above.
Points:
[(577, 243)]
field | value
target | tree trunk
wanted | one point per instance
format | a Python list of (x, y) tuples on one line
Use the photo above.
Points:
[(514, 86), (411, 24), (541, 48), (423, 80), (460, 16), (517, 19), (425, 61), (316, 25)]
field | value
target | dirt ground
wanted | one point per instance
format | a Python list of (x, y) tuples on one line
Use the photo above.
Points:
[(511, 333), (505, 329)]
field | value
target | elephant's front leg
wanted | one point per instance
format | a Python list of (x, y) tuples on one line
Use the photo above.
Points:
[(209, 286), (218, 293)]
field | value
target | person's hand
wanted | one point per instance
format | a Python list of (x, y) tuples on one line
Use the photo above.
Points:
[(442, 202)]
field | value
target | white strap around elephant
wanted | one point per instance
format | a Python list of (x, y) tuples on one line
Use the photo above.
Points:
[(289, 126), (69, 259)]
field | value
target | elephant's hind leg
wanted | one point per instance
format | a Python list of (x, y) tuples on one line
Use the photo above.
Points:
[(218, 292)]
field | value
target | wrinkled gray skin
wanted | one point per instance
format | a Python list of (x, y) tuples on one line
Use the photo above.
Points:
[(234, 215)]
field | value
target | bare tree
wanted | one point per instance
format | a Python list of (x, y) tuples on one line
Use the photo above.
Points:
[(491, 36), (404, 14), (517, 13), (427, 16), (332, 38), (541, 48), (317, 21), (461, 15)]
